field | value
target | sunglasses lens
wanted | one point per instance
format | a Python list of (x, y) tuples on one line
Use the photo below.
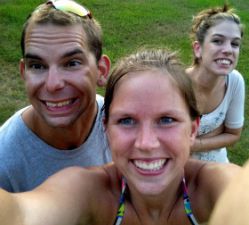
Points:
[(71, 6)]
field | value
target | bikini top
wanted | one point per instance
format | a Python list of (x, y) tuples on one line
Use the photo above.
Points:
[(186, 202)]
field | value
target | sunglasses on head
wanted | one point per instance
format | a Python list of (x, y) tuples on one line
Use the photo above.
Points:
[(71, 7)]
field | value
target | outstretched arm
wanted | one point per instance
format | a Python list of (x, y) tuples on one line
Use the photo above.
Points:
[(212, 180), (56, 202), (10, 212), (233, 206)]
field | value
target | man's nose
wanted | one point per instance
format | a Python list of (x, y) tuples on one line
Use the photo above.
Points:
[(54, 80)]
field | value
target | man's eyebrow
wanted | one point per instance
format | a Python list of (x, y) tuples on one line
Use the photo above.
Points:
[(32, 56), (67, 54), (73, 52)]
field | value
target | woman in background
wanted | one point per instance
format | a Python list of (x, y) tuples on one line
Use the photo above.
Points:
[(219, 88)]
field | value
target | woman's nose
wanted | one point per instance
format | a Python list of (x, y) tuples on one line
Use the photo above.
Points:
[(147, 138)]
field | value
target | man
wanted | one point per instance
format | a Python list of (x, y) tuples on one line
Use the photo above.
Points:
[(61, 66)]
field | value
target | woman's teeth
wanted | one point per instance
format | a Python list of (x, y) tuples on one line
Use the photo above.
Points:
[(150, 166)]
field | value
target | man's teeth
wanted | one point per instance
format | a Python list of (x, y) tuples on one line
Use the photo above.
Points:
[(151, 166), (224, 61), (58, 104)]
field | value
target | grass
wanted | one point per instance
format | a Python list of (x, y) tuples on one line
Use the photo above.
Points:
[(127, 25)]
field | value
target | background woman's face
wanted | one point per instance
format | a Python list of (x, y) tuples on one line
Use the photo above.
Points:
[(221, 47)]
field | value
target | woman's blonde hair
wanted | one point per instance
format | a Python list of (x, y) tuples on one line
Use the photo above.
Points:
[(151, 59)]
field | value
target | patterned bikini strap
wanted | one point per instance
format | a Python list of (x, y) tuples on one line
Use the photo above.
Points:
[(121, 209), (187, 205)]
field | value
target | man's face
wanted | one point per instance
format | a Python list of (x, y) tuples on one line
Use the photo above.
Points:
[(60, 73)]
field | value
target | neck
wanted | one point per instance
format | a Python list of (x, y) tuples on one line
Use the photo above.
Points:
[(64, 138), (203, 80), (160, 207)]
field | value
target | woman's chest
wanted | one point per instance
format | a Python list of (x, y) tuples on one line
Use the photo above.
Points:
[(208, 103), (177, 216)]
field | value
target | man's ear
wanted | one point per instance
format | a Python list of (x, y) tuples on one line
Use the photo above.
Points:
[(194, 130), (104, 66), (22, 68), (197, 49)]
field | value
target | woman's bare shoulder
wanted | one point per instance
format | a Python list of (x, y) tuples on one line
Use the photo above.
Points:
[(211, 177), (204, 169), (220, 172), (206, 182)]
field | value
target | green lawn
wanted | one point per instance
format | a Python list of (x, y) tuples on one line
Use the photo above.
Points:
[(127, 25)]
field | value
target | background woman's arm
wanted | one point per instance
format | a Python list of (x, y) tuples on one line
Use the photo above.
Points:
[(219, 138)]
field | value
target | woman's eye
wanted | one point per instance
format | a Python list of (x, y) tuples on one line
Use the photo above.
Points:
[(235, 44), (166, 120), (126, 121), (217, 41)]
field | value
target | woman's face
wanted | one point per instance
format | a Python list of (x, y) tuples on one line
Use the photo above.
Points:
[(149, 130), (220, 51)]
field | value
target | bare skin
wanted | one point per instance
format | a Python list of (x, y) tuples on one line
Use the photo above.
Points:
[(41, 205), (232, 207)]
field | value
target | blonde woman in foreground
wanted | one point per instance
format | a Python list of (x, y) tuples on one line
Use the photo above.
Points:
[(151, 121)]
